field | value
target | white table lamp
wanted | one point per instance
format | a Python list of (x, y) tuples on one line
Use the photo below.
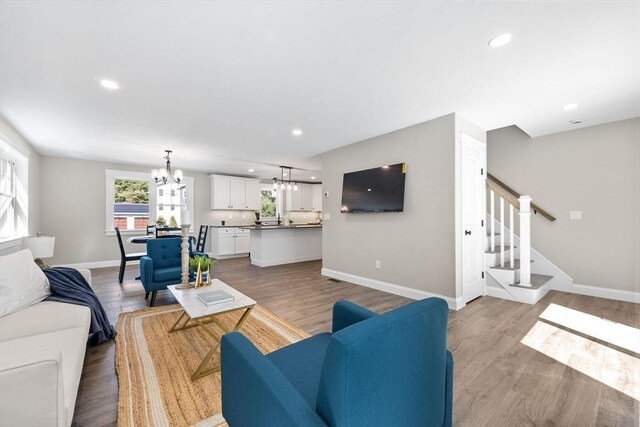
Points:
[(40, 247)]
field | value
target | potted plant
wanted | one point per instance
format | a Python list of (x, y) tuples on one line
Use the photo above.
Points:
[(173, 222), (201, 266), (161, 222)]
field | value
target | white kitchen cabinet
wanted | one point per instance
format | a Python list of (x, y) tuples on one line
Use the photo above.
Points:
[(316, 198), (294, 200), (305, 198), (228, 242), (243, 243), (234, 193), (253, 195)]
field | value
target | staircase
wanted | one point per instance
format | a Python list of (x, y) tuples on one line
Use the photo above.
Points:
[(510, 262)]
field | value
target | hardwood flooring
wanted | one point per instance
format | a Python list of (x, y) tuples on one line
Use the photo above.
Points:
[(499, 380)]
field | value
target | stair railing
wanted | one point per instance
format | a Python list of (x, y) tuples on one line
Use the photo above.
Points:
[(523, 204)]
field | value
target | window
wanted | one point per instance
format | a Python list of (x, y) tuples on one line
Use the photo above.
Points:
[(14, 199), (133, 200), (269, 202), (8, 219), (173, 202)]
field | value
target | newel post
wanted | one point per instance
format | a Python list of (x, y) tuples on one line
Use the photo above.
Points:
[(525, 240)]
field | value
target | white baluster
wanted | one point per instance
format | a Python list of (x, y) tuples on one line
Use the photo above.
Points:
[(493, 220), (512, 252), (501, 231), (525, 241)]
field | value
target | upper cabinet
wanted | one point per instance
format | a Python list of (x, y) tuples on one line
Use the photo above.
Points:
[(316, 198), (307, 198), (237, 193)]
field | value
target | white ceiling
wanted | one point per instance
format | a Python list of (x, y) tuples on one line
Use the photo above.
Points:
[(224, 83)]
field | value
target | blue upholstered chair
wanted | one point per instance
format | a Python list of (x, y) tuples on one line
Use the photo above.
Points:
[(162, 266), (391, 369)]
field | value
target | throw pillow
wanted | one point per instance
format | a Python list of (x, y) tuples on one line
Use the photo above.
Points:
[(22, 283)]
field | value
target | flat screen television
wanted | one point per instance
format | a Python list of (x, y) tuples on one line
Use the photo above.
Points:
[(374, 190)]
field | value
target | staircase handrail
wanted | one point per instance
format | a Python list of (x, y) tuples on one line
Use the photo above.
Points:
[(512, 196)]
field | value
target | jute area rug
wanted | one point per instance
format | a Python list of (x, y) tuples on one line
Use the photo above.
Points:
[(154, 367)]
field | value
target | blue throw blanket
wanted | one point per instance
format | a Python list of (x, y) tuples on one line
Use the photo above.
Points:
[(68, 285)]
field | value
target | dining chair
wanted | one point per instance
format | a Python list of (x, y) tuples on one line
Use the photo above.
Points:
[(151, 229), (202, 238), (170, 231), (124, 257)]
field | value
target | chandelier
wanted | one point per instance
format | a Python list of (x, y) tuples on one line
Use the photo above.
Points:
[(282, 183), (166, 173)]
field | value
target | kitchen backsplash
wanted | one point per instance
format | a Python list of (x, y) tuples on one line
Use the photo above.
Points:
[(231, 217), (304, 217)]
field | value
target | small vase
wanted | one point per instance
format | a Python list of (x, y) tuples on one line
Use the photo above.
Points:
[(205, 277)]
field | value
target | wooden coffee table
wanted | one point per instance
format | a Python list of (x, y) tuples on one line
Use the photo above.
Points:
[(199, 314)]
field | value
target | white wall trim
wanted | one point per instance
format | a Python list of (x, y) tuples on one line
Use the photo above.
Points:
[(10, 243), (416, 294), (615, 294), (96, 264), (285, 261), (493, 291)]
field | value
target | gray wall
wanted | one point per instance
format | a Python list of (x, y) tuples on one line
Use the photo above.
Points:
[(72, 207), (416, 247), (595, 170)]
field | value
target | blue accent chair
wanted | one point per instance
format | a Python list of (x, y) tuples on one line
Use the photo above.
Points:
[(392, 369), (162, 266)]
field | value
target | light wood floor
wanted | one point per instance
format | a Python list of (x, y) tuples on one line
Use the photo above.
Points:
[(499, 381)]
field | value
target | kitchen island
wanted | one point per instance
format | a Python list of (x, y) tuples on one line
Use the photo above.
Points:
[(279, 244)]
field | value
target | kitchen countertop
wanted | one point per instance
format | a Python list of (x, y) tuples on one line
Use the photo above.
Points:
[(280, 227)]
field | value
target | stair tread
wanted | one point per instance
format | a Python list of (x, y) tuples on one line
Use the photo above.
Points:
[(497, 249), (537, 281), (507, 265)]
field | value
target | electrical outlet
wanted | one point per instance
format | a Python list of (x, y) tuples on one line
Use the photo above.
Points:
[(575, 215), (326, 216), (326, 194), (378, 264)]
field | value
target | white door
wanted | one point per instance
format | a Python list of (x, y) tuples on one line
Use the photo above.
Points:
[(473, 172)]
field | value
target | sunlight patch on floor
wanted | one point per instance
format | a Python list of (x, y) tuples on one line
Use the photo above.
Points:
[(614, 333), (605, 364)]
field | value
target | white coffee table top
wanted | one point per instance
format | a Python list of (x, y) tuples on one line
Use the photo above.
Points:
[(188, 299)]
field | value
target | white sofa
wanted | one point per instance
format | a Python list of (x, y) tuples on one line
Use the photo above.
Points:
[(42, 351)]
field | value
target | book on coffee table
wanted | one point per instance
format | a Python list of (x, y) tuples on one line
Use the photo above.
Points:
[(215, 297)]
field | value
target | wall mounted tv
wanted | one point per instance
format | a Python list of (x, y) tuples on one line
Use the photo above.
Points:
[(374, 190)]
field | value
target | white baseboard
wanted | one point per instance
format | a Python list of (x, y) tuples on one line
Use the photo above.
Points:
[(416, 294), (615, 294), (96, 264), (492, 291), (227, 256), (271, 263)]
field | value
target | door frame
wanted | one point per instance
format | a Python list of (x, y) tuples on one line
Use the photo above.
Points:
[(466, 139)]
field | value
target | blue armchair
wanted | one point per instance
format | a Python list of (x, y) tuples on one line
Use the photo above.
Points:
[(388, 369), (162, 266)]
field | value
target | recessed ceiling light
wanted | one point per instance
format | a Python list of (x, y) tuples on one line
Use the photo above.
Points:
[(313, 177), (570, 107), (296, 132), (575, 122), (109, 84), (250, 170), (500, 40)]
